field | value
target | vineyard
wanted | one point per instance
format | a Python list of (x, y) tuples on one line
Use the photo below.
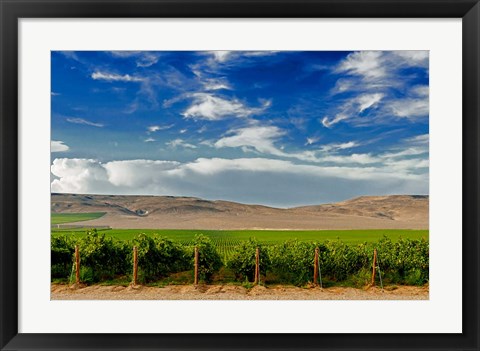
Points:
[(225, 259), (226, 241)]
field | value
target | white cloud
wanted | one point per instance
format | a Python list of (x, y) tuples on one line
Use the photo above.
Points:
[(58, 146), (379, 79), (339, 146), (419, 139), (142, 58), (368, 100), (220, 55), (137, 173), (77, 120), (149, 140), (312, 140), (156, 128), (180, 143), (353, 158), (421, 90), (375, 65), (216, 84), (257, 180), (413, 58), (367, 64), (409, 151), (328, 123), (210, 107), (113, 77), (257, 137), (353, 107), (410, 108)]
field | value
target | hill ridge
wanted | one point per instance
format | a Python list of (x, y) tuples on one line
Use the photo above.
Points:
[(138, 211)]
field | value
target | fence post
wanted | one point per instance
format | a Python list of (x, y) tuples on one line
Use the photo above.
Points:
[(374, 266), (135, 265), (77, 265), (257, 266), (195, 280), (315, 268)]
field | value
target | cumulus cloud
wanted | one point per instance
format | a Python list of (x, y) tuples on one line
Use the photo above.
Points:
[(211, 107), (257, 180), (77, 120), (58, 146), (113, 77)]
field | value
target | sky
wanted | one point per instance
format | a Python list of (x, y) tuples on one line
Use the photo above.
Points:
[(278, 128)]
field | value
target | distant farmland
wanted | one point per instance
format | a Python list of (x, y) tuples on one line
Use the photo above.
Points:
[(60, 218)]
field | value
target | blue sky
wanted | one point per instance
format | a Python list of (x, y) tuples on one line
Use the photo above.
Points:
[(275, 128)]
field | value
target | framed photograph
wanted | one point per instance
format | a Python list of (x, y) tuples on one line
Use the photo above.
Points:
[(219, 175)]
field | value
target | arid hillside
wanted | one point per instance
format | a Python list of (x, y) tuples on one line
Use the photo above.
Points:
[(168, 212)]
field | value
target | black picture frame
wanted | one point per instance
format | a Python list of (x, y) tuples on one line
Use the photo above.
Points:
[(11, 11)]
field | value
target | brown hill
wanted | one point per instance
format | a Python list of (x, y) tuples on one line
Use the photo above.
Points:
[(169, 212)]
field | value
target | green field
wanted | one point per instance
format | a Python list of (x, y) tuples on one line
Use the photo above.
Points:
[(60, 218), (227, 240)]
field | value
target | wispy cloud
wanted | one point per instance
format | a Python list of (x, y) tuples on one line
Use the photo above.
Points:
[(256, 138), (156, 128), (379, 89), (353, 107), (77, 120), (113, 77), (58, 146), (55, 94), (339, 146), (211, 107), (149, 140), (180, 143), (216, 84), (142, 58), (312, 140)]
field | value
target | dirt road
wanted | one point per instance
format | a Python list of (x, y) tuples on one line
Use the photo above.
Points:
[(233, 292)]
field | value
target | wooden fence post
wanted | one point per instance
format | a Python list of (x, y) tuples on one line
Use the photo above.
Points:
[(135, 265), (374, 266), (195, 280), (77, 265), (315, 268), (257, 266)]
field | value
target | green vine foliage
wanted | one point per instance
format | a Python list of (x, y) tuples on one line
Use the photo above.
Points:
[(158, 256), (292, 262), (209, 261), (102, 258), (62, 252), (242, 262)]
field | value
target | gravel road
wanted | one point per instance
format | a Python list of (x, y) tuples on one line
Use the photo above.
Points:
[(233, 292)]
